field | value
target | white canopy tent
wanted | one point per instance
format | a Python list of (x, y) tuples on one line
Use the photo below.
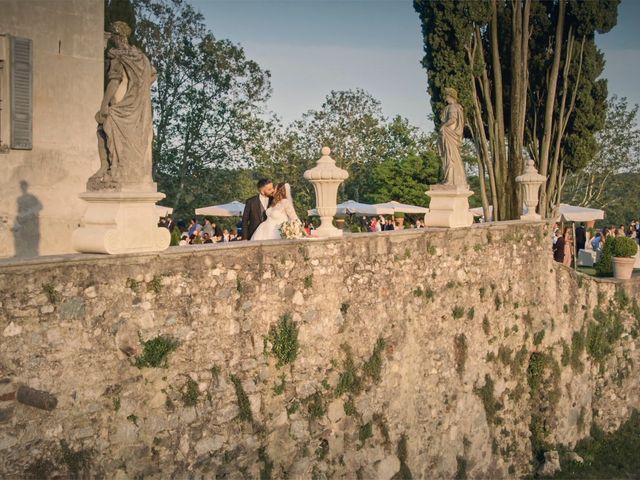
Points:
[(162, 211), (566, 213), (571, 213), (403, 207), (352, 207), (232, 209)]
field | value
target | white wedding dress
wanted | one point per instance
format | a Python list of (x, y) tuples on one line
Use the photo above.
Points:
[(276, 216)]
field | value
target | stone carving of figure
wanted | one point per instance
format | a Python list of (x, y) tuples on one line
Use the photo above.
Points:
[(125, 129), (450, 140)]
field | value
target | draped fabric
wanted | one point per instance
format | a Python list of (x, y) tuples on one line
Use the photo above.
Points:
[(449, 145), (128, 127)]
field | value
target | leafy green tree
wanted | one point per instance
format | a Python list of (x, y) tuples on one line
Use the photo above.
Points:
[(527, 75), (207, 102), (600, 183)]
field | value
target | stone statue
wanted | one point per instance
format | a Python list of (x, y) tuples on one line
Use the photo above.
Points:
[(450, 140), (125, 129)]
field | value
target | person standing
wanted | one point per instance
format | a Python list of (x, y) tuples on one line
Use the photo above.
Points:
[(255, 209), (581, 238)]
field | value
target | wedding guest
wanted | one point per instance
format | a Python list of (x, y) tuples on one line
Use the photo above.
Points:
[(558, 250), (206, 238), (171, 224), (184, 239), (581, 238), (568, 247), (596, 242), (226, 236), (621, 231), (233, 237), (208, 228), (194, 227), (373, 226)]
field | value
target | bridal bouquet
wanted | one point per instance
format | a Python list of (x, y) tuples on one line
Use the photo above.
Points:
[(292, 229)]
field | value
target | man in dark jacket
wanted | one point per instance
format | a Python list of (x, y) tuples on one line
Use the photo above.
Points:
[(581, 238), (255, 208), (558, 249)]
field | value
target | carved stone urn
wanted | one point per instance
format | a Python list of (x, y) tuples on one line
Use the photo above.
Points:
[(326, 177)]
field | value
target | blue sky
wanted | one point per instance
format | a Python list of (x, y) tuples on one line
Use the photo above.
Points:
[(314, 46)]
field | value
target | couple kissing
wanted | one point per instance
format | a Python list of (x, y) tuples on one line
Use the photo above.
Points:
[(266, 212)]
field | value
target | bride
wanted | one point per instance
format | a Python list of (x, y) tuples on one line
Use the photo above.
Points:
[(280, 211)]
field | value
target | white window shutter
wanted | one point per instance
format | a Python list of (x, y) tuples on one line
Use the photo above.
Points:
[(21, 93)]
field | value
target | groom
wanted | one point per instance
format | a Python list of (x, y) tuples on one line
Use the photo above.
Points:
[(255, 208)]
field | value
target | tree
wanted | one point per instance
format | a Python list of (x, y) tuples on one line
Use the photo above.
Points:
[(207, 101), (527, 75), (602, 182)]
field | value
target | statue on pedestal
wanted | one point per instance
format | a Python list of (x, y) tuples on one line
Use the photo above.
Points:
[(125, 129), (121, 215), (449, 204), (450, 140)]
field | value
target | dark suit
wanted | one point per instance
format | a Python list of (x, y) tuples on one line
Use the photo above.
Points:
[(254, 214), (581, 238)]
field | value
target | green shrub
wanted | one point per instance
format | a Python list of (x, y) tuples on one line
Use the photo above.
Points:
[(604, 267), (398, 215), (491, 405), (356, 229), (155, 352), (349, 381), (372, 368), (244, 405), (284, 340), (623, 246)]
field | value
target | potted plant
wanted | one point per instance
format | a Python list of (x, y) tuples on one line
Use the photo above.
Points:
[(339, 219), (623, 251)]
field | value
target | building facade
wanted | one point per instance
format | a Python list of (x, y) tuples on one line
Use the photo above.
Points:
[(51, 84)]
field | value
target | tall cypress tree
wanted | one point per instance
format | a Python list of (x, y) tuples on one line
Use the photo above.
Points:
[(527, 73)]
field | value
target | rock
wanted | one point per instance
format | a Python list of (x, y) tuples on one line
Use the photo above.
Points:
[(6, 414), (128, 340), (7, 441), (298, 299), (387, 467), (209, 444), (551, 464), (72, 309), (12, 330), (574, 457), (335, 411)]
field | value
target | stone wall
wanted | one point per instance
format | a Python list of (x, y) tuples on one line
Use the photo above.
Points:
[(68, 71), (438, 352)]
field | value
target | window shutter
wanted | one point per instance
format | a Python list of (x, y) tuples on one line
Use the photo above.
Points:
[(21, 93)]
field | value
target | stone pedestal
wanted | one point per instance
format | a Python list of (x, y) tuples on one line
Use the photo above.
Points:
[(449, 207), (120, 222)]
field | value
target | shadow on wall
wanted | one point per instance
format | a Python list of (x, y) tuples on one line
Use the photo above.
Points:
[(26, 228)]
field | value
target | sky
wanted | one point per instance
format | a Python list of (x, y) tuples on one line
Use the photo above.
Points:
[(314, 46)]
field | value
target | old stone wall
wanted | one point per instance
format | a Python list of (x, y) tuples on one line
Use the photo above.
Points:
[(437, 352)]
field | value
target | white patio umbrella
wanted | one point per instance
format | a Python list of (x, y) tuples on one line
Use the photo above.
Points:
[(162, 211), (352, 207), (402, 207), (232, 209)]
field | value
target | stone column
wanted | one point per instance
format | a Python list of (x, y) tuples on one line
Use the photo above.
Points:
[(530, 181), (326, 178)]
